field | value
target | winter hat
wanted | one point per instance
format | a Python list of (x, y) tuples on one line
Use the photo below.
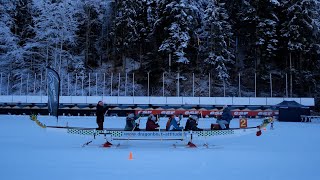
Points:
[(131, 115), (194, 117)]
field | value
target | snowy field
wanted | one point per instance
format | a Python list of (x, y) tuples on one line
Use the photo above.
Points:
[(291, 151)]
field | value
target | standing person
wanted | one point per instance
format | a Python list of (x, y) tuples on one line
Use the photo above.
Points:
[(100, 111), (225, 118), (152, 124)]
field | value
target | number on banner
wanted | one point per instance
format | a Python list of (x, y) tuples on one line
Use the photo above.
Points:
[(243, 123)]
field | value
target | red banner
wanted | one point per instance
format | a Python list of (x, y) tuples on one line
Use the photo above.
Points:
[(209, 112)]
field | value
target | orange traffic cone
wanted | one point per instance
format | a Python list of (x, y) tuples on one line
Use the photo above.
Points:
[(130, 156)]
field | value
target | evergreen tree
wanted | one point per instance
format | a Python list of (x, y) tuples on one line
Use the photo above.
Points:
[(301, 28), (255, 28), (218, 36), (149, 38), (300, 32), (8, 40), (128, 28), (23, 21), (178, 20), (11, 53), (260, 36), (266, 30), (92, 23), (243, 19), (55, 32)]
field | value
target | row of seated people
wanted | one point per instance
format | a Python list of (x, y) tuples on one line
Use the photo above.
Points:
[(173, 123)]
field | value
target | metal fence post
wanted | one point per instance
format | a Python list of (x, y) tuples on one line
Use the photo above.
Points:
[(125, 85), (148, 82), (178, 85), (270, 85), (8, 84), (239, 85), (111, 84), (1, 84), (291, 69), (96, 84), (163, 84), (21, 84), (75, 86), (119, 85), (192, 84), (82, 84), (224, 88), (133, 84), (41, 85), (45, 82), (68, 84), (27, 93), (61, 82), (104, 83), (255, 84), (209, 85), (286, 85), (291, 84), (89, 85), (34, 83)]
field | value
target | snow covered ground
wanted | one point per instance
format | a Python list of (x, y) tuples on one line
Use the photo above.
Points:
[(290, 151)]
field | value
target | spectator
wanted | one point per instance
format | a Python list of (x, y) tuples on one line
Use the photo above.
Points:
[(152, 124)]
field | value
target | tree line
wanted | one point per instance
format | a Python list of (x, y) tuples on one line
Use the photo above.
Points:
[(220, 37)]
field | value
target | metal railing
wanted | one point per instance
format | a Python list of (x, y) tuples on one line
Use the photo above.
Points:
[(165, 84)]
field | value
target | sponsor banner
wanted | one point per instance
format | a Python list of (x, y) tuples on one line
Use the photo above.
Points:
[(208, 112)]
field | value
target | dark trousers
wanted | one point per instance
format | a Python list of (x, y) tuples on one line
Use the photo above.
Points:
[(100, 125)]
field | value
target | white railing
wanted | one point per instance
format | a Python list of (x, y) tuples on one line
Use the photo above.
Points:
[(146, 100)]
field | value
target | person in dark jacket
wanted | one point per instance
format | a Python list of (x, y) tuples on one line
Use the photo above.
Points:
[(100, 111), (192, 124), (152, 124), (226, 117)]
